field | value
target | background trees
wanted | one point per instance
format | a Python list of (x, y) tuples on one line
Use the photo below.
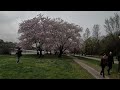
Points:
[(112, 27), (97, 44), (86, 39), (91, 43), (96, 39), (6, 47)]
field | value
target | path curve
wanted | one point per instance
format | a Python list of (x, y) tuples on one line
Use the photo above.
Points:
[(91, 70), (98, 59)]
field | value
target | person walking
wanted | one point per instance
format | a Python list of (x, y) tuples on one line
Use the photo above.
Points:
[(19, 54), (110, 62), (103, 64)]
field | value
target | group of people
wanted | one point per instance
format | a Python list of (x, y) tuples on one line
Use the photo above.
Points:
[(106, 60)]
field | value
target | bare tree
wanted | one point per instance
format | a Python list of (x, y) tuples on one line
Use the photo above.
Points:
[(96, 37), (112, 27), (86, 35), (96, 31)]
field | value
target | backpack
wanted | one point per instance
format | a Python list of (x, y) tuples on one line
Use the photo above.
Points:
[(104, 61)]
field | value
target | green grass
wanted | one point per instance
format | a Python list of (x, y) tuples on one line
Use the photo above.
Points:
[(48, 67), (96, 65)]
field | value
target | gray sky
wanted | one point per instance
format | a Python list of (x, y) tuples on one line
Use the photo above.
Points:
[(9, 20)]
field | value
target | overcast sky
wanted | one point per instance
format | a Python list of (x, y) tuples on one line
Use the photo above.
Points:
[(9, 20)]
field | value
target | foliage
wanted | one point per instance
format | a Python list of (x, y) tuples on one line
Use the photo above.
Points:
[(97, 44), (49, 34), (6, 47)]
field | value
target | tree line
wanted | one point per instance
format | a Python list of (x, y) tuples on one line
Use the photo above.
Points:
[(97, 44), (6, 47)]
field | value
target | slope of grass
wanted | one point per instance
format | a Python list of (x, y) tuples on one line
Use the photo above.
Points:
[(96, 65), (48, 67)]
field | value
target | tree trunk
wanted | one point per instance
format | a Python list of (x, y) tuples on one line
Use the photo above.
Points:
[(50, 53), (47, 51), (55, 52), (36, 48), (60, 54), (40, 53), (37, 52)]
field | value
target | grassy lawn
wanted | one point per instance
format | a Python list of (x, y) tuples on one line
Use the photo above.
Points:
[(96, 65), (48, 67)]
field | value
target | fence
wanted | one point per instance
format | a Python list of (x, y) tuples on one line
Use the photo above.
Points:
[(25, 52)]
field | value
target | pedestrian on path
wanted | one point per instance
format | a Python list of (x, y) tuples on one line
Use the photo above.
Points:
[(103, 63), (110, 62)]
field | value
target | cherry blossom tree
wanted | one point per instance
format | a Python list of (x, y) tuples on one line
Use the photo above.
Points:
[(65, 34), (33, 31), (49, 34)]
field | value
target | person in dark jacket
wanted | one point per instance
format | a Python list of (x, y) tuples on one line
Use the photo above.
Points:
[(19, 54), (103, 64), (110, 62)]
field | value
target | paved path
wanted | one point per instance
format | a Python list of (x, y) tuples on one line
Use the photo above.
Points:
[(91, 70), (98, 59)]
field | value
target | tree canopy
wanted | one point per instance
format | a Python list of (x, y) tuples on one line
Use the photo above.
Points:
[(49, 34)]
